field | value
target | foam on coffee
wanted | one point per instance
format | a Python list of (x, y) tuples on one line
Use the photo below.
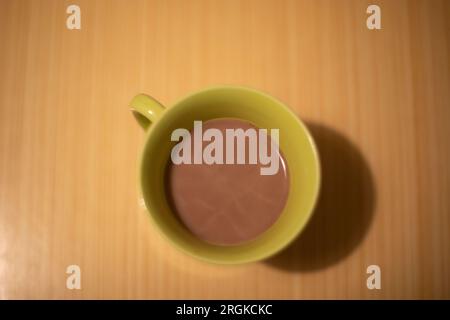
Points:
[(227, 204)]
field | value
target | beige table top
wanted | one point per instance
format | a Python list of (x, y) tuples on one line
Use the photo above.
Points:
[(378, 103)]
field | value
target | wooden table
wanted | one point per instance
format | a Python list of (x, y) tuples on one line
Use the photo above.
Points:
[(377, 102)]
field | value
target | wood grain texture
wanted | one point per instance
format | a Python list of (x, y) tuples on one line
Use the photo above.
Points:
[(378, 103)]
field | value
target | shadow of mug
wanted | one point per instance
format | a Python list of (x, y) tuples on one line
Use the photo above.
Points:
[(344, 209)]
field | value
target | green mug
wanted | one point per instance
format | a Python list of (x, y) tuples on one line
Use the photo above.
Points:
[(250, 105)]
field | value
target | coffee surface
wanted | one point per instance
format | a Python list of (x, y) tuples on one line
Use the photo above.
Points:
[(227, 204)]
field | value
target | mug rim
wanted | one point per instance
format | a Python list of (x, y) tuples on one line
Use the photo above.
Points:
[(267, 254)]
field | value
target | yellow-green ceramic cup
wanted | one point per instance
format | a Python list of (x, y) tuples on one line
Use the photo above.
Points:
[(262, 110)]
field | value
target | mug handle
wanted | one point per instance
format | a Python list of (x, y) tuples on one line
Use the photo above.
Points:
[(146, 110)]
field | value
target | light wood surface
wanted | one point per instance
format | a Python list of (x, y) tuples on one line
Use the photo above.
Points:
[(378, 103)]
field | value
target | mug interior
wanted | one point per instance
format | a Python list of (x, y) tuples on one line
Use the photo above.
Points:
[(263, 111)]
